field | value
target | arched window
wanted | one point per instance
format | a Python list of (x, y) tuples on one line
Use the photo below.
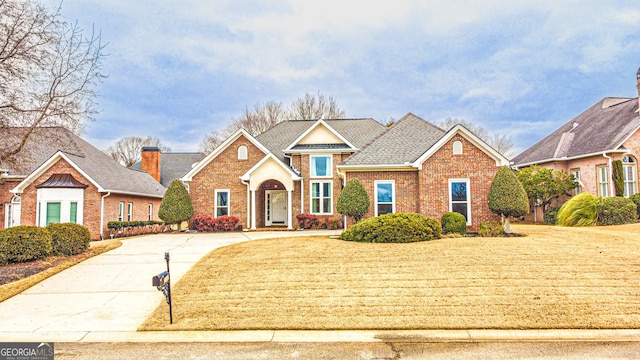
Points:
[(242, 153), (630, 171), (457, 147)]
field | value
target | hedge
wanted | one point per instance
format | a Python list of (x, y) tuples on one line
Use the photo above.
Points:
[(24, 243), (69, 238), (204, 222), (401, 227), (636, 200), (616, 211), (454, 223)]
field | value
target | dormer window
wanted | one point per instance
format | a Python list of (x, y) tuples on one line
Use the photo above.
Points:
[(321, 166), (243, 153)]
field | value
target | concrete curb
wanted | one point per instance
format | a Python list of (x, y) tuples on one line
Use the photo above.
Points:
[(320, 336)]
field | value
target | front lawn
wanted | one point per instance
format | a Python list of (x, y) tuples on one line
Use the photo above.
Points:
[(555, 277)]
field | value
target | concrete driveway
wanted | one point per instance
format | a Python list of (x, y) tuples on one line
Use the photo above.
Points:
[(111, 292)]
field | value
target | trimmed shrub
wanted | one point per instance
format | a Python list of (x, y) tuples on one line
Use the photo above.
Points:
[(507, 196), (401, 227), (330, 223), (69, 239), (307, 221), (636, 200), (616, 211), (491, 229), (353, 200), (454, 223), (618, 177), (206, 223), (551, 215), (24, 243), (176, 205), (580, 210)]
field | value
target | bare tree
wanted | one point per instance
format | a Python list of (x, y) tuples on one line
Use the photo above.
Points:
[(312, 107), (264, 116), (48, 71), (127, 151), (500, 142)]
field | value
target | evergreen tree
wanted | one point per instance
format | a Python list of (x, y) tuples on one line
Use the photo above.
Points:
[(176, 205), (507, 197), (618, 177), (353, 200)]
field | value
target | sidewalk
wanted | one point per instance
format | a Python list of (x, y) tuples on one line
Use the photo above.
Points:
[(106, 298)]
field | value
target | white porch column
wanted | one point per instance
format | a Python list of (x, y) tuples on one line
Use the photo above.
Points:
[(289, 209), (253, 209)]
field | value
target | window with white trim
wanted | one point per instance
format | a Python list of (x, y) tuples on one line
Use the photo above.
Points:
[(73, 212), (150, 209), (385, 197), (576, 174), (130, 212), (243, 153), (630, 171), (460, 198), (603, 180), (121, 211), (321, 198), (321, 166), (222, 203)]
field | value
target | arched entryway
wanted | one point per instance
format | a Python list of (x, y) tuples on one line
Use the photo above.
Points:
[(274, 204)]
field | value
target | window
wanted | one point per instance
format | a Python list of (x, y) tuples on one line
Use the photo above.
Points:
[(150, 212), (629, 170), (121, 211), (129, 211), (321, 166), (73, 212), (53, 213), (457, 147), (603, 180), (576, 175), (459, 199), (243, 153), (222, 203), (321, 197), (385, 197)]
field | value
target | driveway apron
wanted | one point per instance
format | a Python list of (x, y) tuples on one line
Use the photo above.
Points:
[(109, 292)]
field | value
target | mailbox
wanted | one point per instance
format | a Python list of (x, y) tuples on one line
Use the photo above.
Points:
[(160, 279)]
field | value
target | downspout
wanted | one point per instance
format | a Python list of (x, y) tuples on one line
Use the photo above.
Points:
[(610, 173), (248, 204), (102, 215)]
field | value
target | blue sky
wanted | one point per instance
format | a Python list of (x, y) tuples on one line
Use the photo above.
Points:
[(180, 69)]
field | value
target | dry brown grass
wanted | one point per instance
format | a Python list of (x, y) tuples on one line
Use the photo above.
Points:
[(31, 273), (554, 278)]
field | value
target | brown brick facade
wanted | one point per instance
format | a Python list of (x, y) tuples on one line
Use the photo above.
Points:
[(92, 201)]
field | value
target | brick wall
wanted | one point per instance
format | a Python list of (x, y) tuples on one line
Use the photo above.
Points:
[(224, 173), (92, 201)]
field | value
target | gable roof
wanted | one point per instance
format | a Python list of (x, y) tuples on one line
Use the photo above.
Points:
[(410, 142), (357, 132), (604, 127), (47, 145), (344, 145)]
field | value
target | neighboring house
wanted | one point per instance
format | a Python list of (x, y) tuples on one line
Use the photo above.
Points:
[(59, 177), (301, 166), (587, 145)]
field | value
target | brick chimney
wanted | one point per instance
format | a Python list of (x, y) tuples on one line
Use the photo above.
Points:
[(151, 161)]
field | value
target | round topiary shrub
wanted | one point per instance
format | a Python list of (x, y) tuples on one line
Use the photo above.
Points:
[(636, 200), (69, 239), (580, 210), (616, 211), (401, 227), (454, 223), (24, 243)]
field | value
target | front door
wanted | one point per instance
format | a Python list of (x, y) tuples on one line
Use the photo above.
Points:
[(276, 207), (12, 213)]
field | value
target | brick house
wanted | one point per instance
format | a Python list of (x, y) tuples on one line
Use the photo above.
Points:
[(587, 145), (59, 177), (301, 166)]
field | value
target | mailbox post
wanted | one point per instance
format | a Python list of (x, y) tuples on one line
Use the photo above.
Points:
[(162, 282)]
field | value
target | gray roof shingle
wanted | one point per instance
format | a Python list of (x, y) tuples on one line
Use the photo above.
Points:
[(602, 127), (104, 170), (174, 165), (358, 132), (402, 143)]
